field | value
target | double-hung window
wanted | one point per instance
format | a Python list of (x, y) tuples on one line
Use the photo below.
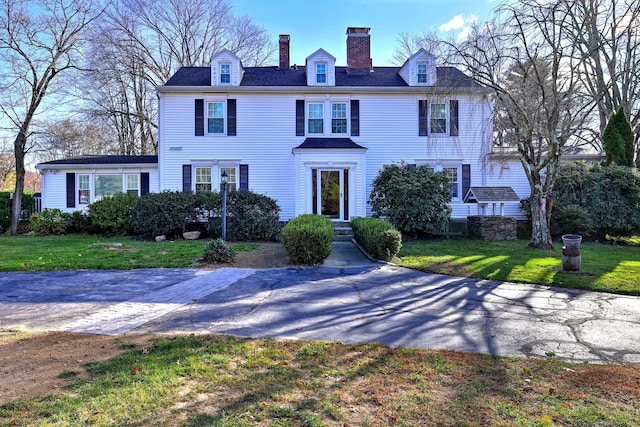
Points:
[(84, 189), (133, 184), (315, 118), (321, 73), (225, 73), (339, 118), (452, 174), (232, 177), (422, 73), (215, 117), (438, 118), (203, 179)]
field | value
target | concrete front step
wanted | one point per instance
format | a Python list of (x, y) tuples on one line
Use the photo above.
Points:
[(343, 237)]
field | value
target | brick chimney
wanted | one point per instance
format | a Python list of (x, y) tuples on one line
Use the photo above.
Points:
[(284, 51), (359, 50)]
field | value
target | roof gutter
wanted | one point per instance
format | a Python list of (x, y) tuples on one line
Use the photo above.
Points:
[(414, 90)]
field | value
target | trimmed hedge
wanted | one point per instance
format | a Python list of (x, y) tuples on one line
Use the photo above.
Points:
[(169, 212), (307, 239), (250, 216), (378, 237)]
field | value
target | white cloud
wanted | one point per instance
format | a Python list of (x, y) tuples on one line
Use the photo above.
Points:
[(461, 24)]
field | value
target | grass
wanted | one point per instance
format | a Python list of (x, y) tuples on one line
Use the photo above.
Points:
[(607, 268), (228, 381), (69, 252)]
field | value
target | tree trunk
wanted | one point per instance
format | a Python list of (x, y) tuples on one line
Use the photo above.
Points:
[(16, 206), (540, 219)]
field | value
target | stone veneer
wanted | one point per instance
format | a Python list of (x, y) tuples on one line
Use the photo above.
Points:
[(492, 227)]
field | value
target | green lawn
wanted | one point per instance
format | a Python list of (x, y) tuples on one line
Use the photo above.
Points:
[(69, 252), (235, 382), (608, 268)]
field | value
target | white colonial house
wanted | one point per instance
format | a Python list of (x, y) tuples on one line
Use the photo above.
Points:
[(311, 136)]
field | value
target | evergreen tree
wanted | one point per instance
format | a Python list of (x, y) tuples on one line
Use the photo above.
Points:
[(618, 139)]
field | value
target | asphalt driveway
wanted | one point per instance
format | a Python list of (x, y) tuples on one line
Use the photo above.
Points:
[(382, 303)]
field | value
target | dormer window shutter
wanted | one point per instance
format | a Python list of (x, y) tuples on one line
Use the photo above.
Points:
[(231, 117), (453, 118), (300, 117), (355, 117), (199, 117), (423, 117)]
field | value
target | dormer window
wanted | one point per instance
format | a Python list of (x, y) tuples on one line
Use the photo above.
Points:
[(225, 73), (321, 73), (422, 73)]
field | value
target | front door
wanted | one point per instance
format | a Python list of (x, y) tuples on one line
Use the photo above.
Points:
[(329, 193)]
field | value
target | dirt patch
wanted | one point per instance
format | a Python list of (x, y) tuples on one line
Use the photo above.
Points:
[(31, 363)]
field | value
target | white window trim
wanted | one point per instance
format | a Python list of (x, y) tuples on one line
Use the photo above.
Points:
[(327, 116), (220, 74), (92, 184), (418, 73), (325, 74), (446, 117), (346, 118), (222, 101), (307, 118)]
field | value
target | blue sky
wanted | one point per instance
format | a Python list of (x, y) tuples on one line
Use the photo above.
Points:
[(314, 24)]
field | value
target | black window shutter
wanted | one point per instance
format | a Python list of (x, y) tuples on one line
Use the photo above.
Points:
[(144, 183), (186, 178), (355, 117), (244, 177), (300, 117), (423, 117), (71, 190), (466, 179), (231, 117), (199, 117), (412, 166), (453, 117)]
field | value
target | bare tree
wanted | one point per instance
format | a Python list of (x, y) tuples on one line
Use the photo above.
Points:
[(39, 40), (141, 43), (607, 34), (72, 138), (525, 55)]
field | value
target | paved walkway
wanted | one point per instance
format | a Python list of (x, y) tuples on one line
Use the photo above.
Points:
[(349, 299)]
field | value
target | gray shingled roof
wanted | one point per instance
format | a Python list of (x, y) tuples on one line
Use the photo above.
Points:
[(273, 76), (490, 195), (329, 143), (103, 160)]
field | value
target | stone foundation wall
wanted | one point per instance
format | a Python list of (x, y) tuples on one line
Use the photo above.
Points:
[(492, 227)]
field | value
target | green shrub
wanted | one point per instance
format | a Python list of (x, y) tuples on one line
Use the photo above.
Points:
[(307, 239), (169, 213), (414, 199), (610, 195), (250, 216), (50, 221), (378, 237), (81, 223), (218, 251), (5, 207), (113, 214), (571, 219)]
